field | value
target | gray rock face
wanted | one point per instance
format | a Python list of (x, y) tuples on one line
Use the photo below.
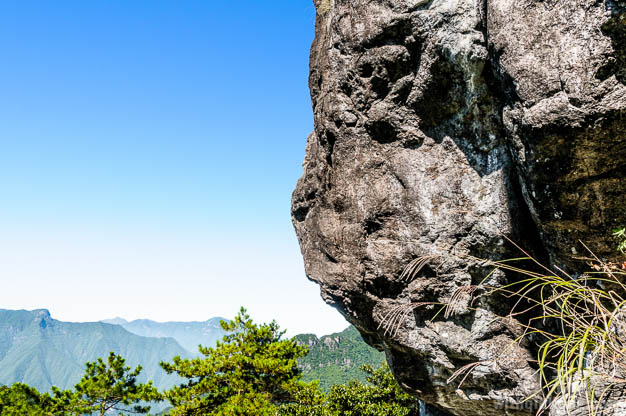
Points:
[(441, 126)]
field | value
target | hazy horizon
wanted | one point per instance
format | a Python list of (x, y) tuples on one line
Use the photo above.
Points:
[(149, 154), (125, 320)]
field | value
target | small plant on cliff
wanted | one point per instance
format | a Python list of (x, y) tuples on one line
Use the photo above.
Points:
[(324, 6), (580, 320)]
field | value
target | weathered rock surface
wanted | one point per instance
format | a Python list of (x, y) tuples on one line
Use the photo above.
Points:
[(440, 126)]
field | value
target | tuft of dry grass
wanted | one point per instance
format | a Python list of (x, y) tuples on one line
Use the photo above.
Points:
[(466, 370), (324, 6), (457, 300), (585, 352), (392, 321), (579, 320), (411, 271)]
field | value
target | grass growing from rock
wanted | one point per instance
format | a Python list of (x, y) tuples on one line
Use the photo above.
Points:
[(324, 6), (579, 325)]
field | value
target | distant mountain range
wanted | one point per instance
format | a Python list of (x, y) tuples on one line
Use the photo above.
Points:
[(188, 334), (41, 351)]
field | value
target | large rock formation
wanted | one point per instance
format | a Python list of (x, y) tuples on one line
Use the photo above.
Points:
[(440, 127)]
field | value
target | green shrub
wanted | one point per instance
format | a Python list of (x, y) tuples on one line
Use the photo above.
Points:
[(379, 395)]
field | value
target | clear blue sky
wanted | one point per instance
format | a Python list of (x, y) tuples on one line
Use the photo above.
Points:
[(149, 151)]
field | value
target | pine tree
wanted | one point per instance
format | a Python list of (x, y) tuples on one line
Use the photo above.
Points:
[(111, 386), (106, 387), (250, 371)]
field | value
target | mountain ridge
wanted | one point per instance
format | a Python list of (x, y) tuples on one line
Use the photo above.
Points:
[(41, 351), (188, 334)]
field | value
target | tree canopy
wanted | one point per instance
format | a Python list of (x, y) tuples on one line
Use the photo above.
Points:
[(380, 395), (105, 387), (251, 370), (20, 399), (110, 385)]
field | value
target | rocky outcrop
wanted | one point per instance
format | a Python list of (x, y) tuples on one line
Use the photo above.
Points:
[(440, 127)]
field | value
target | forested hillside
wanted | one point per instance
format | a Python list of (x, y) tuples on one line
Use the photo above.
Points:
[(337, 358)]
